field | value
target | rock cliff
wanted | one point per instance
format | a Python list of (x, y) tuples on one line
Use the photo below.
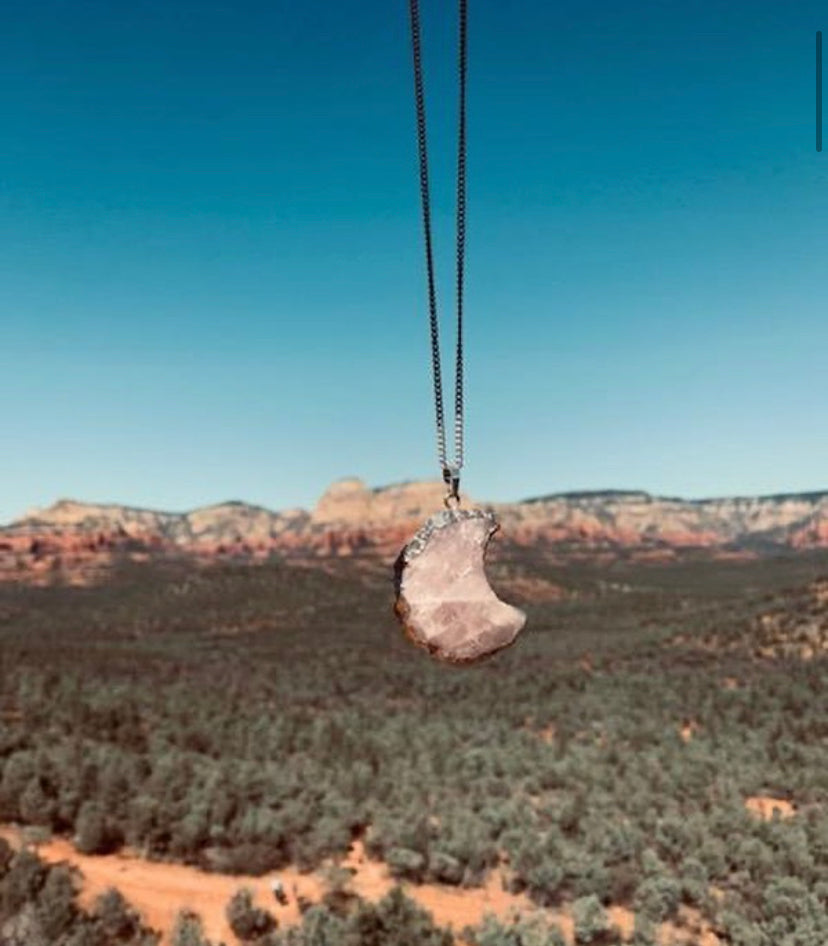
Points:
[(78, 540)]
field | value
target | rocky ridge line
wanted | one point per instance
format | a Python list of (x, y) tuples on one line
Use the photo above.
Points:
[(76, 539)]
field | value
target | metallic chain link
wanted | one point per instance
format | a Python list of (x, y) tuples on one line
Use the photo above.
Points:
[(451, 471)]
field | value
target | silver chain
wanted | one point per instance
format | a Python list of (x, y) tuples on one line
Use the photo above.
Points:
[(451, 470)]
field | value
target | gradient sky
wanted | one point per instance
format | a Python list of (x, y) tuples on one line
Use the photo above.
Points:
[(212, 284)]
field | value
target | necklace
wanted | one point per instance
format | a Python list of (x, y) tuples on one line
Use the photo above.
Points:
[(444, 601)]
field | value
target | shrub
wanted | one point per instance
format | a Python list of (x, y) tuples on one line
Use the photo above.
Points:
[(115, 917), (91, 833), (35, 805), (56, 908), (246, 920), (255, 859), (658, 897), (188, 930), (319, 927), (18, 771), (742, 932), (713, 855), (544, 880), (645, 932), (694, 883), (394, 921), (623, 882), (444, 868), (6, 856), (338, 898), (523, 931), (22, 883), (403, 862), (593, 878), (591, 920)]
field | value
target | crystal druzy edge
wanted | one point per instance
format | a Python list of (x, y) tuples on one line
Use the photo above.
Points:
[(436, 522)]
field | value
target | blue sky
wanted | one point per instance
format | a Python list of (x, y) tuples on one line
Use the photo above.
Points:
[(212, 284)]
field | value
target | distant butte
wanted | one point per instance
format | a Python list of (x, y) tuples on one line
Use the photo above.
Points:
[(77, 540)]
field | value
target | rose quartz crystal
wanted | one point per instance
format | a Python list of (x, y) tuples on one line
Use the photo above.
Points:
[(444, 600)]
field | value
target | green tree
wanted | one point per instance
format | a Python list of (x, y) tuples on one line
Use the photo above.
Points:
[(246, 920), (56, 909), (338, 896), (320, 927), (520, 931), (6, 856), (694, 881), (18, 771), (591, 920), (658, 896), (22, 883), (405, 863), (645, 931), (35, 805), (444, 868), (394, 921), (117, 920), (91, 834), (188, 930)]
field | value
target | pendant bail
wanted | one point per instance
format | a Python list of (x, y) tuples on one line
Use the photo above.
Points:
[(451, 477)]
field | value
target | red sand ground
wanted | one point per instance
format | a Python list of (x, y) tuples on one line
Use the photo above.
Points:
[(763, 806), (160, 890)]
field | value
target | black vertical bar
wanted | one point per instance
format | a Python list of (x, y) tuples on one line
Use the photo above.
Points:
[(819, 90)]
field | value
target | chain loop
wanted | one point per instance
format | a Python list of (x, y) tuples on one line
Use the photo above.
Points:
[(451, 471)]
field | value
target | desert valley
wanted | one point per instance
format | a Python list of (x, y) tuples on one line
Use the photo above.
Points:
[(194, 706)]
